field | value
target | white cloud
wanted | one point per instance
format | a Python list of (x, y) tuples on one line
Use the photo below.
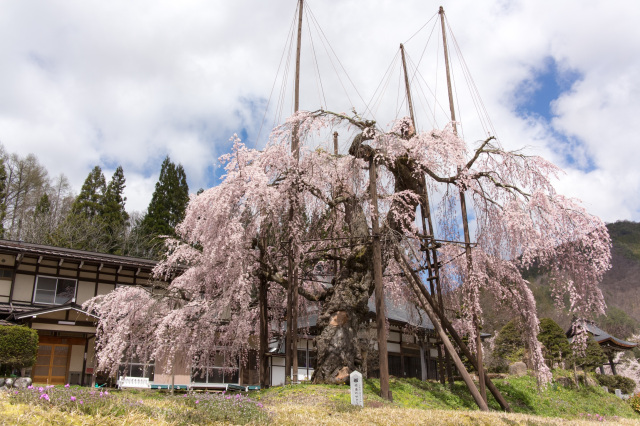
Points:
[(119, 82)]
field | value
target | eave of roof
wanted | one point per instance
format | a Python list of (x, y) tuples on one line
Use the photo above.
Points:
[(604, 338), (48, 310), (44, 250)]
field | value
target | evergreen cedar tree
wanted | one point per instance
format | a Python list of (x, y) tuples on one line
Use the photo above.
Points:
[(236, 235), (168, 203), (98, 218), (89, 202), (18, 347)]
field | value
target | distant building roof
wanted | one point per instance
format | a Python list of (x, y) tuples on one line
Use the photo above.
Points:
[(602, 337)]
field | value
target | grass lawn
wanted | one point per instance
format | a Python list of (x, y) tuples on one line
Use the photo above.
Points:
[(415, 402)]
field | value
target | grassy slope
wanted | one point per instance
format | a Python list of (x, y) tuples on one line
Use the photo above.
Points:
[(415, 402), (425, 402)]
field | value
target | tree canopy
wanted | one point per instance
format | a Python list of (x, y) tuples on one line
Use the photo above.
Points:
[(239, 233)]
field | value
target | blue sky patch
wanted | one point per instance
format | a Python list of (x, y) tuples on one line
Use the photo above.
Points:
[(534, 96), (534, 99)]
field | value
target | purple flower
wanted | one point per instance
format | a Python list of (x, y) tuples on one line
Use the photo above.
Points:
[(30, 387), (44, 396), (197, 400), (41, 389), (106, 393), (81, 402), (73, 398), (67, 385)]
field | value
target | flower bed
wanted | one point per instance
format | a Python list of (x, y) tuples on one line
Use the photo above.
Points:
[(181, 409)]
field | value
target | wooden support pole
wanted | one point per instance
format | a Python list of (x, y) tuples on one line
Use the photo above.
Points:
[(408, 89), (445, 365), (462, 198), (291, 351), (467, 248), (412, 276), (482, 404), (381, 316), (264, 324)]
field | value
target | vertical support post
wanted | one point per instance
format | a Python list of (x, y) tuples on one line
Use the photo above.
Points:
[(463, 205), (264, 324), (424, 373), (426, 215), (291, 340), (407, 88), (612, 364), (377, 276), (84, 360)]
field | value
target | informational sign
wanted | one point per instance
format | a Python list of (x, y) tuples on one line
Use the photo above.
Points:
[(357, 396)]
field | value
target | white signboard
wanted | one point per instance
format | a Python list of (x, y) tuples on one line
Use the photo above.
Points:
[(357, 397)]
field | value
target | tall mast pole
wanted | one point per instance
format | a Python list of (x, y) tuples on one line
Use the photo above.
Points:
[(408, 88), (291, 353), (295, 145), (463, 208), (425, 210), (381, 315)]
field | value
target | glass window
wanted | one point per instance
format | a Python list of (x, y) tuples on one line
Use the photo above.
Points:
[(215, 371), (45, 290), (54, 291), (6, 273), (66, 291), (137, 370), (302, 358)]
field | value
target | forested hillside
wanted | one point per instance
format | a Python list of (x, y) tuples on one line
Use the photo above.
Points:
[(620, 287)]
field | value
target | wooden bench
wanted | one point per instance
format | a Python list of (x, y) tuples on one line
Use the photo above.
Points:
[(134, 382)]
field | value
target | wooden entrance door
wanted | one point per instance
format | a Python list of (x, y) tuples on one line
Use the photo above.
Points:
[(52, 364)]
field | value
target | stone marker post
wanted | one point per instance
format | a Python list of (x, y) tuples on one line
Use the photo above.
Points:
[(357, 397)]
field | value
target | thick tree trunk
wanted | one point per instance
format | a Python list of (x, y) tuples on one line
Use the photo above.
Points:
[(346, 304), (342, 316)]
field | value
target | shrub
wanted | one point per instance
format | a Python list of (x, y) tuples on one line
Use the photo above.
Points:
[(18, 346), (509, 344), (593, 356), (625, 384), (634, 401), (556, 345)]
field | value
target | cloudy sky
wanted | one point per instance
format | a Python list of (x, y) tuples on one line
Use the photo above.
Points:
[(130, 82)]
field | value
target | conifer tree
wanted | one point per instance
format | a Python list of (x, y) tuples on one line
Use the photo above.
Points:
[(89, 201), (555, 344), (83, 228), (168, 203), (113, 214)]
